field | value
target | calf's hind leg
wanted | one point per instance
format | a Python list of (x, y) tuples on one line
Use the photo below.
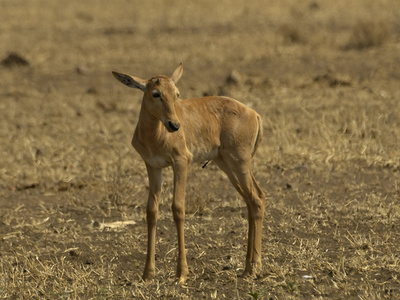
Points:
[(243, 180)]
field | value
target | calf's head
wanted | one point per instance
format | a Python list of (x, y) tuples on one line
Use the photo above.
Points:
[(160, 95)]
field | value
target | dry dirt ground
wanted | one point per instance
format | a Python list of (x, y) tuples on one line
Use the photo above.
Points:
[(324, 76)]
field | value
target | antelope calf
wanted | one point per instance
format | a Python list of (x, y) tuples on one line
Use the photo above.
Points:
[(174, 132)]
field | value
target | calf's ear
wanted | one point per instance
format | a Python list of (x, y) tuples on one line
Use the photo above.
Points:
[(177, 73), (131, 81)]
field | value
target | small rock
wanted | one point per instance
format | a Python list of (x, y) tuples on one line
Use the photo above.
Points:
[(14, 60), (82, 70), (234, 78)]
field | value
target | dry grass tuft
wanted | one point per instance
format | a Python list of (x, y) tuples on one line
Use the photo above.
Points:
[(367, 34), (292, 34)]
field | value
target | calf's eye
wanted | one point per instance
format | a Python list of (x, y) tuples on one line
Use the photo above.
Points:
[(156, 94)]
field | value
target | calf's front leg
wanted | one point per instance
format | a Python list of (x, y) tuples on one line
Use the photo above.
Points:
[(152, 215), (178, 211)]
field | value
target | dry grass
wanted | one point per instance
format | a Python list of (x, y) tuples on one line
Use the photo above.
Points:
[(367, 34), (73, 191)]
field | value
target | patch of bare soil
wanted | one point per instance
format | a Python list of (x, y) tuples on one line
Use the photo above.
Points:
[(324, 77)]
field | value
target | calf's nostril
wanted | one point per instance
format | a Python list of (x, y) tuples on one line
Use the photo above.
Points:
[(173, 126)]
